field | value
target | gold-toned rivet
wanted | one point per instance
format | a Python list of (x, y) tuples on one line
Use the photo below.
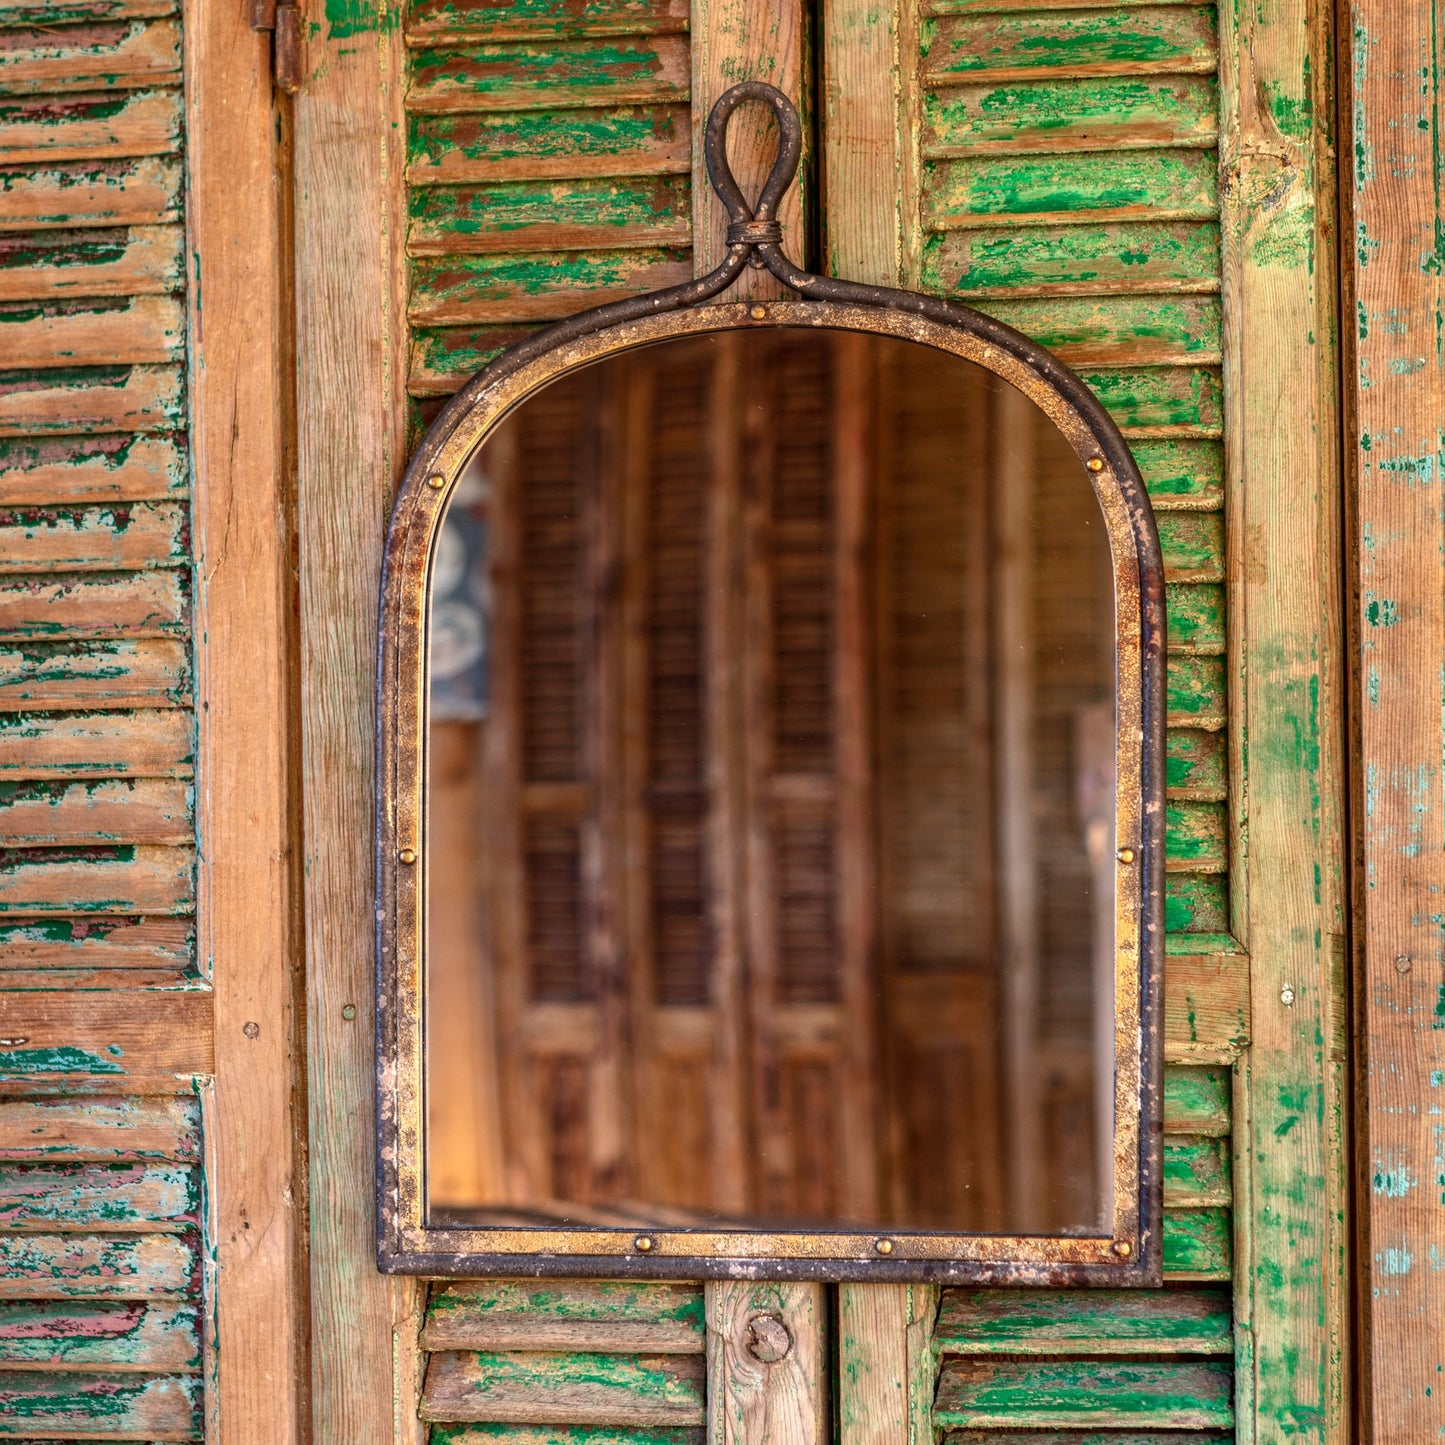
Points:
[(883, 1246), (643, 1244), (758, 312), (1126, 855), (407, 856), (1095, 464), (1123, 1248), (436, 481)]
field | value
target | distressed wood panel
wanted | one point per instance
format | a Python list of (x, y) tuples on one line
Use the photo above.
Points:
[(432, 21), (104, 331), (1198, 1244), (128, 1198), (97, 879), (44, 1404), (41, 607), (1196, 1172), (100, 1131), (585, 1316), (1162, 402), (88, 469), (94, 674), (79, 745), (136, 261), (1196, 765), (1196, 1101), (1195, 692), (886, 1363), (1196, 617), (1206, 1003), (564, 1388), (1196, 837), (91, 399), (96, 951), (109, 811), (1196, 903), (140, 192), (1100, 331), (74, 12), (90, 127), (485, 1434), (109, 1267), (101, 538), (103, 55), (131, 1336)]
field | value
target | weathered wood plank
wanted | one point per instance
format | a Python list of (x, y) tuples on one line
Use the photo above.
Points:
[(101, 538), (78, 12), (1118, 330), (140, 192), (1149, 40), (630, 70), (107, 1038), (1146, 257), (140, 260), (537, 286), (526, 215), (124, 1198), (550, 1388), (1197, 1100), (1195, 764), (538, 145), (1206, 1005), (887, 1363), (131, 1336), (1195, 692), (442, 359), (1096, 1394), (1195, 613), (1085, 1322), (1193, 546), (91, 674), (98, 745), (1196, 1172), (1161, 402), (95, 1266), (57, 470), (1198, 1244), (1075, 1437), (101, 604), (1182, 476), (600, 1317), (1196, 903), (91, 399), (90, 127), (105, 331), (45, 1404), (151, 810), (102, 55), (1196, 837), (431, 22), (1070, 115), (511, 1434), (1157, 185), (117, 1130), (107, 878)]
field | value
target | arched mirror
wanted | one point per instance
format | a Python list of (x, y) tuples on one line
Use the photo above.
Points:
[(771, 824)]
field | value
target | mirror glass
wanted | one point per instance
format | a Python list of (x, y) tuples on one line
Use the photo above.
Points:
[(770, 829)]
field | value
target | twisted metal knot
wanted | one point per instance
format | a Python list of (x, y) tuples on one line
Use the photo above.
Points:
[(755, 233), (755, 226)]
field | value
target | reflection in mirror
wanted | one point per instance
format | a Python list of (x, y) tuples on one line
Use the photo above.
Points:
[(771, 802)]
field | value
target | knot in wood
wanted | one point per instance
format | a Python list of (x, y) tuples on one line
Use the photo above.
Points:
[(767, 1339)]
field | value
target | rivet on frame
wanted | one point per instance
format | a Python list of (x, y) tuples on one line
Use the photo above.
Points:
[(758, 312), (407, 856), (644, 1244), (1095, 464), (1126, 855), (436, 481), (883, 1246), (1123, 1248)]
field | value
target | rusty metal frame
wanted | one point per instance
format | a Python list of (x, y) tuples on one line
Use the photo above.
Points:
[(1131, 1254)]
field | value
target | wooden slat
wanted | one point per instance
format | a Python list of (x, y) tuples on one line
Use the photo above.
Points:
[(132, 1336), (107, 1038), (76, 12), (104, 538), (1158, 185), (429, 22), (109, 879), (141, 260), (97, 952), (1198, 1244), (90, 127), (46, 1405), (1197, 837), (94, 1266), (1132, 256), (1195, 692), (117, 1130), (629, 70), (1195, 764), (1117, 330), (597, 1317), (543, 1387), (113, 811), (1056, 116), (1196, 903), (115, 330), (1196, 1101), (84, 469), (486, 1434), (1093, 1394), (100, 604), (97, 745), (91, 399), (1196, 617), (1196, 1172), (1087, 1322), (105, 55), (1167, 402), (1206, 1007), (140, 192), (602, 214), (1073, 1437), (124, 1198), (544, 145), (1193, 546), (47, 676), (443, 359)]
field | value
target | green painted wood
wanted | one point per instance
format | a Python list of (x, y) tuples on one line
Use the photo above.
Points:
[(138, 1197), (504, 1433), (137, 260), (1105, 330), (78, 953), (1196, 903), (90, 127), (121, 1129), (77, 604), (1196, 1172), (74, 12), (428, 21), (442, 359), (42, 1403), (1195, 764), (88, 1266), (134, 1335), (1182, 476), (1196, 616), (1186, 1394), (83, 539), (1198, 1243), (1127, 256), (100, 810), (1106, 40), (1071, 115), (1088, 1437), (1195, 691), (549, 144), (91, 399), (1158, 184), (104, 55), (1196, 836), (80, 469), (1090, 1322), (1193, 546), (151, 672), (98, 879), (1174, 400), (112, 745), (1196, 1100), (140, 192), (626, 70)]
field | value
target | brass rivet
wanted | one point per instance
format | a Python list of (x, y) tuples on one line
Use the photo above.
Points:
[(436, 481), (1095, 464), (758, 312), (1126, 855), (643, 1244), (1123, 1248), (883, 1246), (407, 856)]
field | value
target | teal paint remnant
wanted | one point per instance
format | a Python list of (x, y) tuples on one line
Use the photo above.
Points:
[(1382, 613), (63, 1060), (1395, 1262)]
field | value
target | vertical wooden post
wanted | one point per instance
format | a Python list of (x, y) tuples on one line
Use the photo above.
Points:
[(1396, 389), (767, 1364), (887, 1367)]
